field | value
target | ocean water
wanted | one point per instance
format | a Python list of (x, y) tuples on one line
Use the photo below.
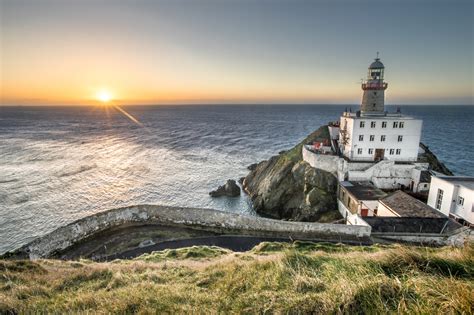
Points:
[(59, 164)]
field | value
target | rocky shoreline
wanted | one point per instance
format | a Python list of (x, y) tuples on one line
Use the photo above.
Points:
[(286, 187)]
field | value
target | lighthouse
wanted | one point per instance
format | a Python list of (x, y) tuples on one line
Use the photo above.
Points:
[(374, 88), (373, 134)]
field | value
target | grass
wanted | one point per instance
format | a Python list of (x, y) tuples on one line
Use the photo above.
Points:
[(301, 277)]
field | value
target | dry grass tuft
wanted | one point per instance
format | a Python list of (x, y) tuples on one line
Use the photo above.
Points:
[(272, 278)]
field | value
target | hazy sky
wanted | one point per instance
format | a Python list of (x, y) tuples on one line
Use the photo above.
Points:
[(231, 51)]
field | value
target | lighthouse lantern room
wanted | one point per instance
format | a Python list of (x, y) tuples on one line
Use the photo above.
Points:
[(374, 89)]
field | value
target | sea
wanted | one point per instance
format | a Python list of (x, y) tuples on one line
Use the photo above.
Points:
[(59, 164)]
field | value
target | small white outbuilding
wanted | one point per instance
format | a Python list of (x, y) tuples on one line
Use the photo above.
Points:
[(453, 196)]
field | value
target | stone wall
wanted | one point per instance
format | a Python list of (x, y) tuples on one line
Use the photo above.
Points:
[(328, 163), (206, 219)]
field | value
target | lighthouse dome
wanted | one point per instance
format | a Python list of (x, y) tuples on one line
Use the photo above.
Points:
[(377, 64)]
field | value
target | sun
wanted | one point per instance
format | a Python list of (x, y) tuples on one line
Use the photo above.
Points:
[(104, 96)]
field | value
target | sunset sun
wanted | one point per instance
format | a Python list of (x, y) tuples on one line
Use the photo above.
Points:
[(104, 96)]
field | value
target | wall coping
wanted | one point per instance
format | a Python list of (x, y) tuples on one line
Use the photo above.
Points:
[(225, 222)]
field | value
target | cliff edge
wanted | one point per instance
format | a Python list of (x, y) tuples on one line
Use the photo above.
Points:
[(286, 187)]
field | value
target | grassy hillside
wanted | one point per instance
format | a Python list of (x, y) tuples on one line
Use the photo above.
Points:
[(273, 277)]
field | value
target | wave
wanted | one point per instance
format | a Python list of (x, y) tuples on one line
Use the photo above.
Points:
[(77, 170)]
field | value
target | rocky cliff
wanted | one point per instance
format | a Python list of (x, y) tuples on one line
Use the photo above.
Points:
[(435, 164), (286, 187)]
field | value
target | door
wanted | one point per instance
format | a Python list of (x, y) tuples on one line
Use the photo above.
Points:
[(379, 154)]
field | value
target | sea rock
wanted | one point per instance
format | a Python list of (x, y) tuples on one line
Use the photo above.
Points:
[(285, 187), (230, 189), (252, 167)]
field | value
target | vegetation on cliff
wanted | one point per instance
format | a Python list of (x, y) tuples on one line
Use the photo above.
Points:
[(273, 277), (286, 187)]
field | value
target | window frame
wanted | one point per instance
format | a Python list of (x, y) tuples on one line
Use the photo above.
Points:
[(439, 199)]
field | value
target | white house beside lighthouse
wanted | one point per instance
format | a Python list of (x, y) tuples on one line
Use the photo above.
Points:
[(373, 134)]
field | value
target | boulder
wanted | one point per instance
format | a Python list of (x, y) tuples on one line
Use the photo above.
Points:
[(230, 189)]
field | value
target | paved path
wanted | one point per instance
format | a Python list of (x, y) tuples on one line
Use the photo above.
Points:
[(236, 243)]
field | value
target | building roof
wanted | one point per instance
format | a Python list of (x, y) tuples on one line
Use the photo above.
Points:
[(381, 116), (377, 64), (363, 190), (405, 205), (425, 177), (466, 181)]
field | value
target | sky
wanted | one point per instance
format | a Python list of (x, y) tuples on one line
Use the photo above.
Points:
[(67, 52)]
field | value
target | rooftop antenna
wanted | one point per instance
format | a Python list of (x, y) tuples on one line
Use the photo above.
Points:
[(377, 55)]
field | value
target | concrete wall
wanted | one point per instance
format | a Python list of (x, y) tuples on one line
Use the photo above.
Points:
[(206, 219), (450, 201), (351, 219), (328, 163), (448, 192), (385, 174)]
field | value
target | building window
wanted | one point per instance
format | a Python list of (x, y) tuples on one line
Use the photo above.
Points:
[(371, 151), (359, 151), (400, 138), (362, 124), (461, 201), (395, 124), (382, 138), (372, 124), (392, 151), (439, 199), (401, 124), (372, 138), (361, 137), (398, 151), (384, 124)]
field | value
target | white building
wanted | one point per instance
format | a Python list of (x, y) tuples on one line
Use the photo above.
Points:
[(453, 196), (372, 134)]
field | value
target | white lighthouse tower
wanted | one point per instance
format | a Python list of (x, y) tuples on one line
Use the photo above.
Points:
[(372, 134), (374, 88)]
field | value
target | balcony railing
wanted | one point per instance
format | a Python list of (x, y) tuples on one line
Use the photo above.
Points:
[(374, 86)]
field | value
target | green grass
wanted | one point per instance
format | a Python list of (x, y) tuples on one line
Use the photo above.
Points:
[(302, 277)]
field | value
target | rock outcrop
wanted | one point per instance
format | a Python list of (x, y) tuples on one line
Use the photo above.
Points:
[(286, 187), (230, 189), (435, 164)]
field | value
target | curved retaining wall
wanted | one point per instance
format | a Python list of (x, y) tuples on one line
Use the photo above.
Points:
[(224, 222)]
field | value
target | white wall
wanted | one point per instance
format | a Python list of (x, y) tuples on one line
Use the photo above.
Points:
[(448, 191), (411, 133), (383, 211), (450, 202), (386, 174), (466, 210), (328, 163), (352, 219)]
